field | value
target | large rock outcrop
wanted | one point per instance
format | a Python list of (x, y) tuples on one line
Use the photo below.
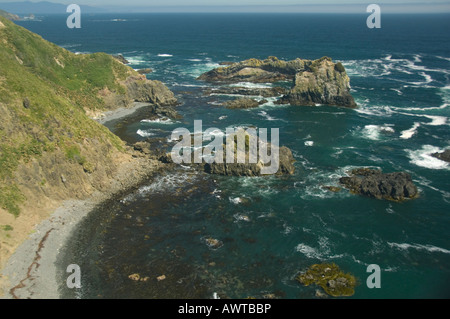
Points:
[(141, 89), (286, 166), (314, 81), (323, 83), (374, 183), (281, 159), (256, 71)]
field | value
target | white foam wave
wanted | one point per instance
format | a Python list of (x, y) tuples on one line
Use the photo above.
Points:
[(163, 120), (198, 69), (144, 133), (372, 132), (407, 134), (309, 251), (428, 248), (384, 67), (443, 58), (267, 116), (250, 85), (436, 120), (322, 252), (309, 143), (423, 158), (165, 55), (236, 200), (136, 60)]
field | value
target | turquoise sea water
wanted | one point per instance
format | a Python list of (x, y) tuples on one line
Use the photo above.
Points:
[(272, 228)]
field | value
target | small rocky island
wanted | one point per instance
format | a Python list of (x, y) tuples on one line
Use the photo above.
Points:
[(374, 183), (314, 82)]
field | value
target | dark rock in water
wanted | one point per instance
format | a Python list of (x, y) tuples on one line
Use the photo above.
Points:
[(121, 58), (376, 184), (286, 166), (444, 156), (243, 103)]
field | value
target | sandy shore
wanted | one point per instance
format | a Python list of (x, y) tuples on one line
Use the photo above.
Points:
[(31, 272), (118, 113)]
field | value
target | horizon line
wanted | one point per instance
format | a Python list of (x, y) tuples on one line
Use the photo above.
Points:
[(388, 8)]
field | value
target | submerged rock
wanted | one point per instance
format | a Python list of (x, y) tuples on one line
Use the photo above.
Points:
[(331, 278), (373, 183)]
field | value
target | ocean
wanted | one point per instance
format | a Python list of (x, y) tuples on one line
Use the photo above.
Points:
[(269, 229)]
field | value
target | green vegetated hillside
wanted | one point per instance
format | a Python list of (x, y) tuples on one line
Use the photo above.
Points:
[(47, 140)]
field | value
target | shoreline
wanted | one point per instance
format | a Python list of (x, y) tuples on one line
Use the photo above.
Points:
[(31, 271), (119, 113)]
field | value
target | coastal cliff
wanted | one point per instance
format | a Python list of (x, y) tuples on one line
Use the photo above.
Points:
[(51, 149), (314, 82)]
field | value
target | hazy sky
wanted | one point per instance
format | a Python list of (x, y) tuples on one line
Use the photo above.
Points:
[(279, 5)]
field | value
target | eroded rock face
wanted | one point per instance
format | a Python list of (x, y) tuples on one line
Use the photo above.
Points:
[(373, 183), (323, 83), (149, 91), (314, 81)]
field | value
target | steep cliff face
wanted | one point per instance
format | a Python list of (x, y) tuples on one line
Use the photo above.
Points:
[(314, 81), (50, 148)]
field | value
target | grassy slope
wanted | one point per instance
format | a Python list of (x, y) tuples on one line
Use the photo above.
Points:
[(58, 87)]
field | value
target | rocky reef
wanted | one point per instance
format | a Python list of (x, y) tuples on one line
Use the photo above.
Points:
[(331, 278), (314, 82), (374, 183)]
